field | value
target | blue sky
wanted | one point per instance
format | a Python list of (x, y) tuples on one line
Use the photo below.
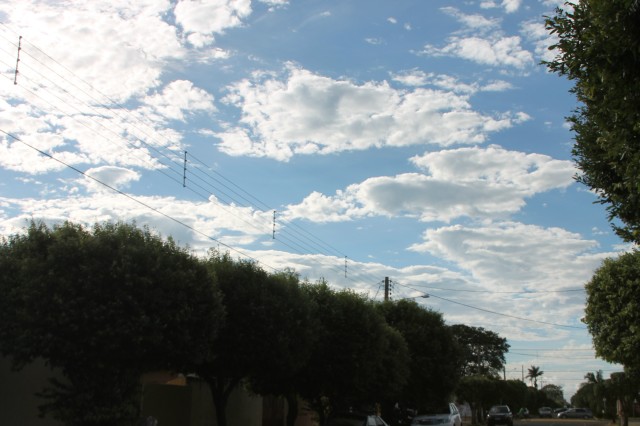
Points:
[(416, 140)]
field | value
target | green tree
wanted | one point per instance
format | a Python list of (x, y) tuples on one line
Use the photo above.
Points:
[(479, 391), (434, 353), (624, 387), (555, 394), (613, 309), (533, 373), (354, 353), (482, 351), (103, 307), (291, 340), (599, 49), (258, 341)]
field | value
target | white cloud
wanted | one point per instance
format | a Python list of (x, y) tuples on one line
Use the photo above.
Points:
[(469, 182), (200, 19), (536, 32), (511, 6), (178, 97), (309, 113), (416, 77), (473, 22), (513, 255), (496, 51), (134, 44), (115, 177)]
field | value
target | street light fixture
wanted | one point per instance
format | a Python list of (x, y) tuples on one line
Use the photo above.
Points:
[(423, 296)]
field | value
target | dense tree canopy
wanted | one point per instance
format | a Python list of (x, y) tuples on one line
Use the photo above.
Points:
[(434, 353), (481, 351), (355, 352), (613, 309), (103, 307), (599, 49), (265, 338)]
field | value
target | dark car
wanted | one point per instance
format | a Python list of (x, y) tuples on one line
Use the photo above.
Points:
[(545, 412), (500, 415), (576, 413), (355, 419), (557, 411)]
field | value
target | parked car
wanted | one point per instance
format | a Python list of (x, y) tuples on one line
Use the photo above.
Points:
[(557, 411), (447, 415), (500, 414), (545, 412), (576, 413), (355, 419)]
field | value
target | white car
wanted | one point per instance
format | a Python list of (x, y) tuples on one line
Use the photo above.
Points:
[(447, 416)]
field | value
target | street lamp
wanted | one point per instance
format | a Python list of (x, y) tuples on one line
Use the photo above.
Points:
[(423, 296)]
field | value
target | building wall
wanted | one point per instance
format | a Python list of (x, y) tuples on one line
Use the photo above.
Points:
[(18, 402), (172, 400)]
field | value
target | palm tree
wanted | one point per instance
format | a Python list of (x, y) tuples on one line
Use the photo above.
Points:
[(533, 373)]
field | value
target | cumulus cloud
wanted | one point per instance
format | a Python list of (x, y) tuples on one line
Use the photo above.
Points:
[(535, 32), (309, 113), (495, 51), (510, 6), (178, 97), (201, 19), (473, 22), (115, 177), (511, 255), (417, 77), (465, 182)]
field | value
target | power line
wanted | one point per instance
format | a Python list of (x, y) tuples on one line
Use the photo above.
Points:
[(294, 243), (142, 203), (497, 313)]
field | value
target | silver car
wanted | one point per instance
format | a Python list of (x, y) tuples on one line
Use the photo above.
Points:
[(576, 413), (447, 415)]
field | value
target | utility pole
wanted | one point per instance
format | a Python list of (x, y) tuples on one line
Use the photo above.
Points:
[(386, 289)]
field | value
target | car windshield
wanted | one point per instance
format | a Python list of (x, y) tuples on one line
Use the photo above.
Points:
[(499, 409)]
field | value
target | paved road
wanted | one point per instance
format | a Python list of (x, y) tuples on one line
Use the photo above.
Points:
[(561, 422)]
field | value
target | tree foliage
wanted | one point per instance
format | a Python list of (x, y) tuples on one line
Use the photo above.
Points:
[(613, 309), (103, 307), (482, 351), (264, 340), (599, 49), (355, 352), (533, 373), (434, 353)]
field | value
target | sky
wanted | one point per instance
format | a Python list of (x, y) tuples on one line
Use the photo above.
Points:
[(421, 141)]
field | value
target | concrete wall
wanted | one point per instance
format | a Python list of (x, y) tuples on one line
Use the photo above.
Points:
[(18, 402), (171, 400)]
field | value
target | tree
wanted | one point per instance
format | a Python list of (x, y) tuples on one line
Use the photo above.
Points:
[(434, 353), (478, 391), (533, 373), (624, 387), (482, 351), (555, 394), (292, 339), (264, 335), (597, 48), (103, 307), (612, 313), (356, 353)]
